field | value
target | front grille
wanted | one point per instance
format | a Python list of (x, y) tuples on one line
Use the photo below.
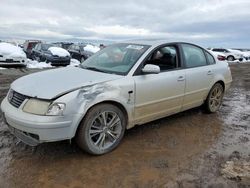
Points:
[(16, 99)]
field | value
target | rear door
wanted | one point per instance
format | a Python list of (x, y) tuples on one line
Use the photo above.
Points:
[(36, 51), (199, 75), (158, 95)]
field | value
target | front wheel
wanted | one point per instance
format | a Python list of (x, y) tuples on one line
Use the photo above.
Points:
[(214, 98), (102, 129), (37, 58), (82, 59)]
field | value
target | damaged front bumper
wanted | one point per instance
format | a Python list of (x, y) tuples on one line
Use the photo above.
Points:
[(33, 129), (27, 138)]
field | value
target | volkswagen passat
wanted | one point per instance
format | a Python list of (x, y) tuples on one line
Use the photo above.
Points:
[(123, 85)]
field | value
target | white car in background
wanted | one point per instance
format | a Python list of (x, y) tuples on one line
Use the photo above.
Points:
[(11, 55), (218, 55), (230, 54), (245, 53)]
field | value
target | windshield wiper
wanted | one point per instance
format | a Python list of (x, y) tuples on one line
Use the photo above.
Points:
[(94, 69)]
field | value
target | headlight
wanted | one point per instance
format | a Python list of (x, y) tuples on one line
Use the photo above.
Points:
[(56, 109), (41, 107)]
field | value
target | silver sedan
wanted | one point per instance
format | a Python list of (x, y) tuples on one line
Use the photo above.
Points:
[(123, 85)]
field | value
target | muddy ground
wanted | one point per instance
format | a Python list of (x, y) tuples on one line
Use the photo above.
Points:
[(190, 149)]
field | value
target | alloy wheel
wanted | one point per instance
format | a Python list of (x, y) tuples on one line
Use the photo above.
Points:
[(105, 130), (215, 99)]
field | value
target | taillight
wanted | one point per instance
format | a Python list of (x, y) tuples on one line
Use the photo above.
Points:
[(29, 45), (221, 58)]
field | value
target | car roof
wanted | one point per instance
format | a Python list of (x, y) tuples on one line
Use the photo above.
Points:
[(155, 42), (151, 42)]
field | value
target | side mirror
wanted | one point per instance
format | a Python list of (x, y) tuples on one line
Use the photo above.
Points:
[(151, 69)]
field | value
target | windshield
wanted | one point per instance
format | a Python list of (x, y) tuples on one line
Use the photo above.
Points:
[(117, 58), (46, 46)]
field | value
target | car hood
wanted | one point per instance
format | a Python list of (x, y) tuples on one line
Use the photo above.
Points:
[(53, 83), (58, 51)]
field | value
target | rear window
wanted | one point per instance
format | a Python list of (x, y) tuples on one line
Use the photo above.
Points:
[(194, 56), (210, 58)]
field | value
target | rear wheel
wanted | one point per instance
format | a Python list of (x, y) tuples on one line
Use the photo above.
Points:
[(214, 98), (230, 58), (102, 129)]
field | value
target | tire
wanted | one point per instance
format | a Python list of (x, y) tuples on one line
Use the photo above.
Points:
[(82, 59), (230, 58), (37, 58), (214, 98), (97, 137)]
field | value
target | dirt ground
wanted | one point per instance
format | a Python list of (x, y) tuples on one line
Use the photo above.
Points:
[(190, 149)]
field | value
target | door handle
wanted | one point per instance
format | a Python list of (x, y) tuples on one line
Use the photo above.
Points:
[(181, 78), (209, 72)]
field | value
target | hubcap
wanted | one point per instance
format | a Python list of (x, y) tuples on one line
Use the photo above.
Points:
[(105, 130), (215, 98)]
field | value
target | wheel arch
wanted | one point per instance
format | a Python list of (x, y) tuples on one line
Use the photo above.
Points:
[(220, 81), (115, 103)]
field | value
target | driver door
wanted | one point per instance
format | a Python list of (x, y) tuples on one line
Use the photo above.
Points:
[(159, 95)]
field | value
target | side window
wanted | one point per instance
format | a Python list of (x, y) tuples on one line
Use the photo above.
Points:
[(165, 57), (217, 50), (210, 58), (37, 47), (194, 56)]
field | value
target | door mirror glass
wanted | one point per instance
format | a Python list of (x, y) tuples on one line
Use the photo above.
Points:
[(151, 69)]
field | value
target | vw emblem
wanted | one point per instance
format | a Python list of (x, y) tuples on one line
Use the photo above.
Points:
[(11, 94)]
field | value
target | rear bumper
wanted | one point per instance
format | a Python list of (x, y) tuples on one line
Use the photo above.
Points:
[(55, 63), (58, 61), (34, 129)]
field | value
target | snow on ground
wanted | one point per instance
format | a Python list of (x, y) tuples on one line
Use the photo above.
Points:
[(2, 68), (91, 48), (10, 50), (74, 63), (59, 51), (238, 61), (32, 64)]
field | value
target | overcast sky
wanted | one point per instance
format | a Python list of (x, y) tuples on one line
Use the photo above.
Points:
[(206, 22)]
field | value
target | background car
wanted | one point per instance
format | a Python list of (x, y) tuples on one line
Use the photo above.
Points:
[(64, 45), (245, 53), (11, 55), (29, 45), (231, 55), (50, 54), (239, 53), (78, 52), (218, 55)]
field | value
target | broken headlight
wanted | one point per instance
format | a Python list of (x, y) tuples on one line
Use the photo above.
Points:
[(42, 107), (56, 109)]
